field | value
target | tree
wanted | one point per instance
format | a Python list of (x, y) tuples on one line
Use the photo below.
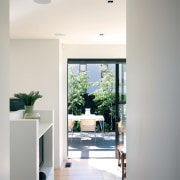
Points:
[(104, 95), (77, 86)]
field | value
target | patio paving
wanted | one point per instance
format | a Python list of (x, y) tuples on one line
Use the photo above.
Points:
[(86, 147)]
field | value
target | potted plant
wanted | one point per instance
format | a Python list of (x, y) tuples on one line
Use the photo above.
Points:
[(29, 100)]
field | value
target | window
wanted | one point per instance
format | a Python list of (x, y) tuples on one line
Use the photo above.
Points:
[(103, 69), (82, 67)]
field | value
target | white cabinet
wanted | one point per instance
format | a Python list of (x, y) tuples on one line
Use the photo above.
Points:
[(24, 146)]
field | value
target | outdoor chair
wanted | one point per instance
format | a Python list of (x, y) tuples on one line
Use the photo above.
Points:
[(88, 125), (70, 127), (121, 156)]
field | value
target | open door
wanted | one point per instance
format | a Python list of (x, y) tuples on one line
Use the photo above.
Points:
[(118, 113)]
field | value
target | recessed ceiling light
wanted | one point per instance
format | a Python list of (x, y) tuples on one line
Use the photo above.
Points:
[(59, 34), (101, 34), (42, 1), (110, 1)]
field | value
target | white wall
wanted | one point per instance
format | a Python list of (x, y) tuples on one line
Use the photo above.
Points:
[(81, 51), (34, 65), (153, 90), (4, 90), (49, 76)]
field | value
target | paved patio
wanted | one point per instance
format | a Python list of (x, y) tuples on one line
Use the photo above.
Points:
[(86, 147)]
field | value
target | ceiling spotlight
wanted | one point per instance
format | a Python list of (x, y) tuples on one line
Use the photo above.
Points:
[(42, 1), (110, 1)]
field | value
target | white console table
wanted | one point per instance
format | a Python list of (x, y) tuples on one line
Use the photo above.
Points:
[(24, 146)]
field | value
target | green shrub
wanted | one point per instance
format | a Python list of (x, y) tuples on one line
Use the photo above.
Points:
[(107, 127)]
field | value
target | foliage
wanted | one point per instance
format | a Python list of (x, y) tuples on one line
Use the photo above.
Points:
[(28, 99), (77, 84), (76, 127), (107, 127), (101, 101), (105, 93)]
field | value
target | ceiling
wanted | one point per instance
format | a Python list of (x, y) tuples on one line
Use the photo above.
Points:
[(71, 21)]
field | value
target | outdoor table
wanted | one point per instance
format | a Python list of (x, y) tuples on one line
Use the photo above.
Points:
[(98, 118)]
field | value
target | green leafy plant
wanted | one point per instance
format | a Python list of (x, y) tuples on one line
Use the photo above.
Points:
[(104, 95), (77, 86), (28, 99), (76, 127), (107, 127)]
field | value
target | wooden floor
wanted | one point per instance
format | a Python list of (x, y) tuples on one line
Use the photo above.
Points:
[(89, 169)]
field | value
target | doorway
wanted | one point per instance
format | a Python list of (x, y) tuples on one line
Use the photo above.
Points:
[(101, 88)]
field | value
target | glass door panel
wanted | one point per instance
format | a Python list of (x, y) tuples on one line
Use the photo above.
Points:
[(104, 79)]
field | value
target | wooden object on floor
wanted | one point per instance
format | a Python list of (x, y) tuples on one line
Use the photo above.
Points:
[(121, 154)]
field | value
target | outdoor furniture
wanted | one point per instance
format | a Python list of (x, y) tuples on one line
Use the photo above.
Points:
[(121, 155), (80, 118), (70, 126), (88, 125), (121, 133)]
